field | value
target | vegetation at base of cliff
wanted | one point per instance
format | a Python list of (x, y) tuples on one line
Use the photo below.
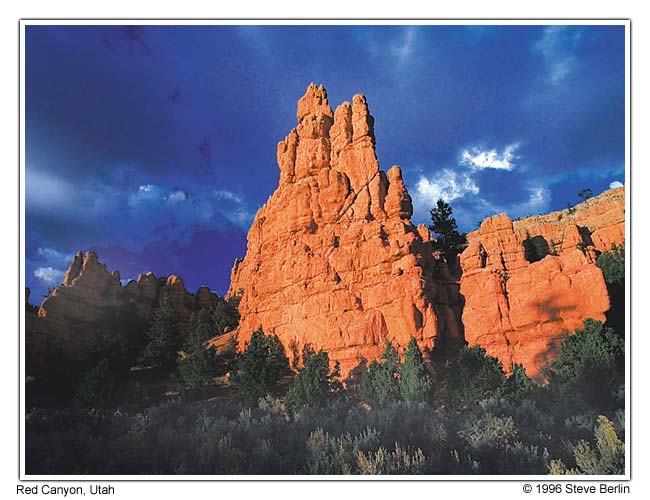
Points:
[(259, 367), (407, 416), (315, 384)]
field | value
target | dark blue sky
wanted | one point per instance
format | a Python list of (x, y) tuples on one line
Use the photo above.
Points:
[(155, 145)]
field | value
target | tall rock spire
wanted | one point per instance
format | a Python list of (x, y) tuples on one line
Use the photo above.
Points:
[(333, 259)]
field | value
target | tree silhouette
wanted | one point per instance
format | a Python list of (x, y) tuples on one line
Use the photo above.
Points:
[(448, 239), (586, 194)]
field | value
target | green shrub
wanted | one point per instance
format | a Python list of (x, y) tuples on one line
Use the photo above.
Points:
[(315, 384), (96, 387), (590, 366), (415, 383), (606, 457), (163, 338), (197, 364), (259, 367), (380, 384), (473, 376), (612, 264)]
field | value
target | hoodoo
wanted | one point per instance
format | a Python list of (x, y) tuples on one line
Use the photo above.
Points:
[(333, 259)]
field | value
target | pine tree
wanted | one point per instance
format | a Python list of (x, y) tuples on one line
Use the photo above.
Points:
[(416, 383), (262, 364), (473, 377), (380, 384), (163, 340), (315, 384), (448, 239), (198, 364)]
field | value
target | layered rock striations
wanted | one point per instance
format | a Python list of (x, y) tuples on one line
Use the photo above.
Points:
[(333, 259), (600, 221), (527, 284)]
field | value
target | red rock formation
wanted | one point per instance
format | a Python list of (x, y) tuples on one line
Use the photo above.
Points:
[(601, 220), (333, 259), (91, 297), (519, 310)]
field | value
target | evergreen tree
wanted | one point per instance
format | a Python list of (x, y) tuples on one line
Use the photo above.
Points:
[(315, 384), (585, 194), (612, 264), (225, 315), (473, 377), (448, 239), (96, 387), (416, 383), (197, 364), (163, 340), (262, 364), (519, 386), (590, 366), (380, 384)]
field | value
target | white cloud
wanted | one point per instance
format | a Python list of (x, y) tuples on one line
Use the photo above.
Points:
[(615, 184), (224, 194), (537, 202), (50, 254), (557, 46), (176, 196), (405, 48), (49, 274), (146, 193), (478, 159), (447, 185), (233, 207), (44, 191)]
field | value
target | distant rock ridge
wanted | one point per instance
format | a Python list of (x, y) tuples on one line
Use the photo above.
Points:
[(333, 260), (91, 296)]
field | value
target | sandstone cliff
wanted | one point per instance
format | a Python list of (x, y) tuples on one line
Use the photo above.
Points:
[(526, 284), (333, 259)]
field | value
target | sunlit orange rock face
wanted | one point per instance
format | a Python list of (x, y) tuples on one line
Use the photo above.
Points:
[(519, 310), (333, 259)]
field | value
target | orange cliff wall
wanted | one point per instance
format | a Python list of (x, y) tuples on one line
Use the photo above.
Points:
[(333, 259), (518, 310)]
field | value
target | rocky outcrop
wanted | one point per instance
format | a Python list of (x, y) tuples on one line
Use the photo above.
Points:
[(333, 259), (91, 298), (527, 284), (600, 220)]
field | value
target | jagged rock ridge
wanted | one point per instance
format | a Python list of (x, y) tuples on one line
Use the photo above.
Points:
[(90, 298), (333, 259)]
